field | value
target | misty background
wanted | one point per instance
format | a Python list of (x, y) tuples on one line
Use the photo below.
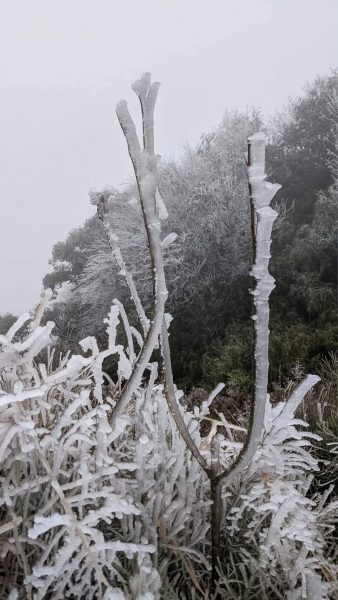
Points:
[(65, 64)]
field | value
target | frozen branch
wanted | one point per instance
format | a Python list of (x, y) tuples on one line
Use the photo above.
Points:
[(145, 167), (144, 163), (100, 199), (263, 217)]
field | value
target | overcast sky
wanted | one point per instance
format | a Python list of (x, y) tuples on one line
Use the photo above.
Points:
[(65, 63)]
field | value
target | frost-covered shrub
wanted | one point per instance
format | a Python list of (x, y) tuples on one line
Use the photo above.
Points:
[(60, 463), (282, 530), (91, 510), (89, 506)]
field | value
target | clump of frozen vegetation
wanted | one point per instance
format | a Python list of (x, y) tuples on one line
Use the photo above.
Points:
[(84, 502), (108, 490), (283, 530)]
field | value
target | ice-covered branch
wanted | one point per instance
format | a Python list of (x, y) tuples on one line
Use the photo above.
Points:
[(153, 209), (144, 163), (262, 193), (147, 93), (100, 199)]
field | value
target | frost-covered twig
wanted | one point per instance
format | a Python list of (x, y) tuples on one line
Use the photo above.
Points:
[(263, 217)]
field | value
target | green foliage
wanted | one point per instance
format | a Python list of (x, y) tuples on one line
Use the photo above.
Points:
[(198, 328), (230, 361), (305, 265), (299, 342)]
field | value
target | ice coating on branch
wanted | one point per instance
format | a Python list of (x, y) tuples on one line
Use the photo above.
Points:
[(141, 86), (75, 364), (145, 167), (39, 335), (101, 199), (41, 307), (136, 334), (206, 403), (90, 343), (167, 319), (298, 395), (43, 524), (112, 321), (168, 240), (20, 395), (16, 326), (261, 194), (124, 364)]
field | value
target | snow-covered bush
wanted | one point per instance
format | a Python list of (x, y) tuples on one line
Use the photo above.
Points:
[(85, 503), (59, 466), (87, 508)]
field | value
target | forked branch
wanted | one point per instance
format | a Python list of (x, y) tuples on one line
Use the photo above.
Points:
[(145, 167)]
